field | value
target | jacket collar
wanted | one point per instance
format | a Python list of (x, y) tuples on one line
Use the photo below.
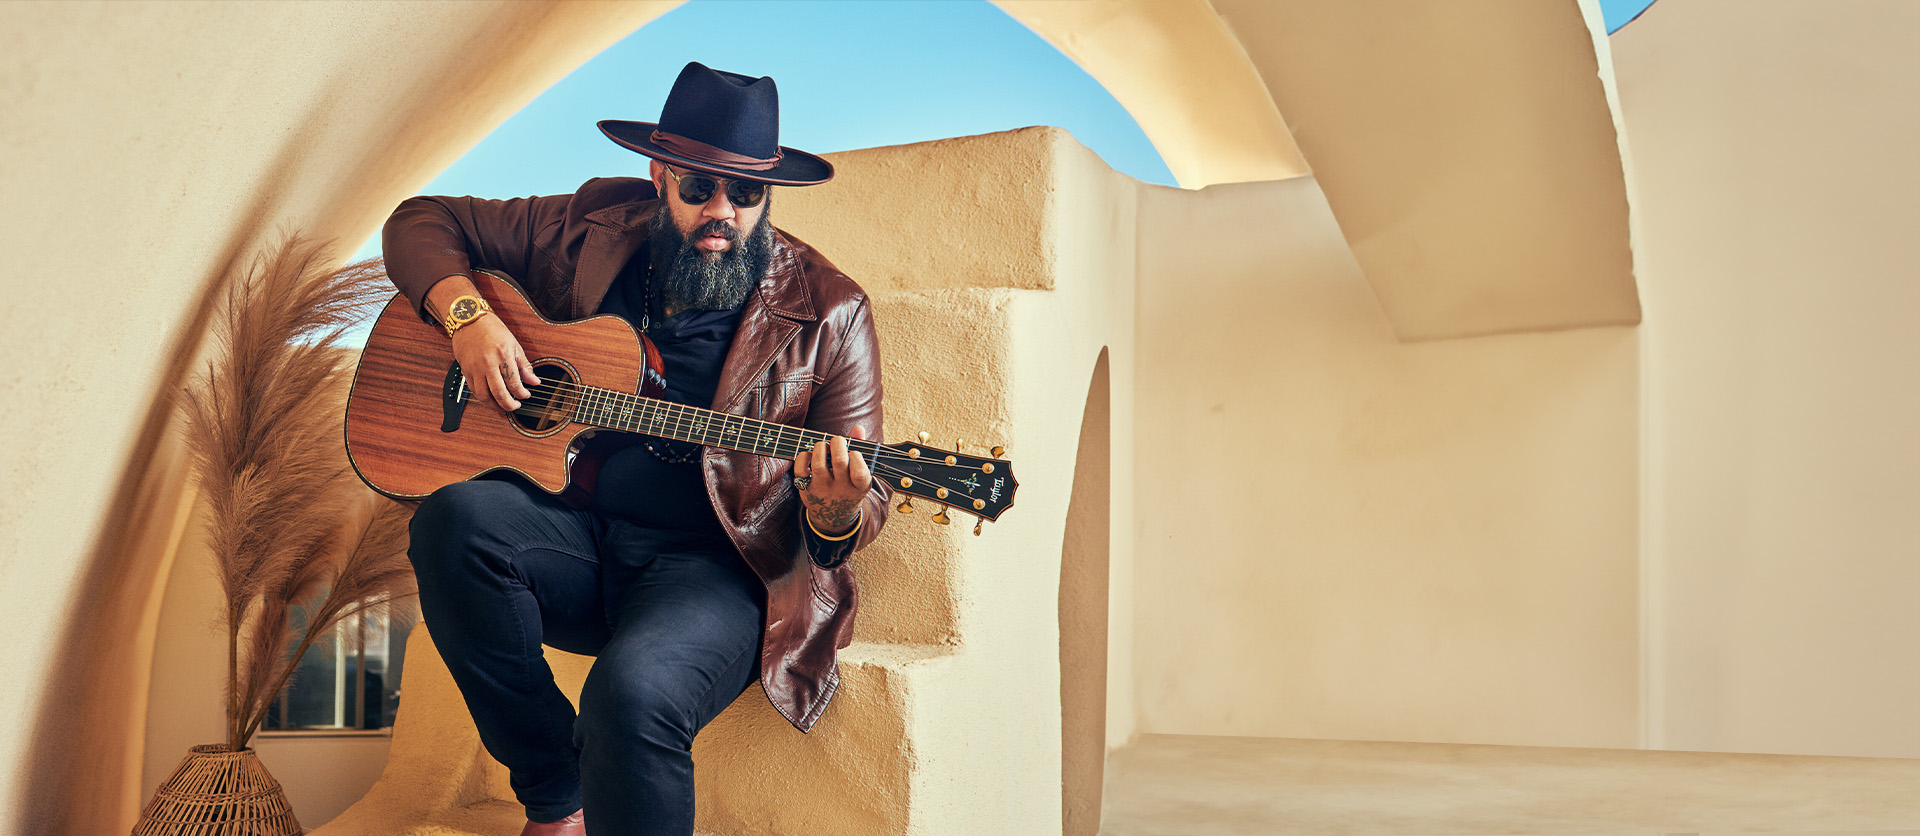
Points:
[(617, 232), (784, 288)]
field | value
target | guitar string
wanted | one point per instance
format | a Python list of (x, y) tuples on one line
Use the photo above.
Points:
[(596, 398), (876, 465), (628, 412), (693, 420), (593, 397), (688, 419), (669, 414)]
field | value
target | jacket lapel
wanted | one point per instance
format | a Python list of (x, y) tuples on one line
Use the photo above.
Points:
[(773, 315), (614, 234)]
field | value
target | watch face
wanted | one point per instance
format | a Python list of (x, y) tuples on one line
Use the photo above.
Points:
[(465, 309)]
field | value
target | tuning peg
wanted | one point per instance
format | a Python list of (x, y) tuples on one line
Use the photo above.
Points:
[(940, 516), (905, 506), (924, 435), (978, 521), (998, 451)]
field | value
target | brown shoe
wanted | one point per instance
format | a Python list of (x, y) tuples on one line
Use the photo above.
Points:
[(574, 825)]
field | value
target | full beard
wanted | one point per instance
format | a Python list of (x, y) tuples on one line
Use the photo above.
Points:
[(695, 279)]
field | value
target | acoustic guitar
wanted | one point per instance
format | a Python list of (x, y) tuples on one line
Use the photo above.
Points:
[(410, 430)]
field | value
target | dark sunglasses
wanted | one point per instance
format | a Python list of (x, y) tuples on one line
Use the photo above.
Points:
[(696, 189)]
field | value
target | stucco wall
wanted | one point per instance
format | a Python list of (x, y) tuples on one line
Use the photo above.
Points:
[(1467, 150), (1181, 73), (148, 147), (1341, 535), (994, 339), (186, 690), (1774, 147)]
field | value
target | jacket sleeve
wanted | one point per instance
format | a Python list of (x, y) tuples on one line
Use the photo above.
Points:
[(849, 396), (430, 238)]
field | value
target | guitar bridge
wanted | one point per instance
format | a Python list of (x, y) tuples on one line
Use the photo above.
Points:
[(453, 398)]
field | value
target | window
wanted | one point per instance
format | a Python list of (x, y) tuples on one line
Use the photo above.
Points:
[(349, 680)]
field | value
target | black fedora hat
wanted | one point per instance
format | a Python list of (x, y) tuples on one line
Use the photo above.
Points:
[(721, 123)]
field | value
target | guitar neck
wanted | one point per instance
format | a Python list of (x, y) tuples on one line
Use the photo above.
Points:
[(650, 416)]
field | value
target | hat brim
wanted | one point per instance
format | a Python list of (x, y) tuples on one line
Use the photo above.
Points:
[(796, 167)]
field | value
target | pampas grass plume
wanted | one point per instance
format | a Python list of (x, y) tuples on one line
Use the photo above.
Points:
[(263, 429)]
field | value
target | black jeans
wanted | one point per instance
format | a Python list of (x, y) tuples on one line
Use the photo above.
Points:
[(674, 619)]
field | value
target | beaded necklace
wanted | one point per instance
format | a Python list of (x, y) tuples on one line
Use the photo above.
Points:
[(666, 450)]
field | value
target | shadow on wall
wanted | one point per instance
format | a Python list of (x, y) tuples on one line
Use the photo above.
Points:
[(1083, 615)]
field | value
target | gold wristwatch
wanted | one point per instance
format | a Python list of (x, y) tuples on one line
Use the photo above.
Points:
[(464, 311)]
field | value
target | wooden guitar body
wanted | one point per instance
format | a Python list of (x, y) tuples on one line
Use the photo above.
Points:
[(413, 427)]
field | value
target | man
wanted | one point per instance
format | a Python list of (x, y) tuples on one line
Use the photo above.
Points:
[(694, 571)]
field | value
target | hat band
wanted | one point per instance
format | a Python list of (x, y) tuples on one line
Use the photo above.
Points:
[(694, 149)]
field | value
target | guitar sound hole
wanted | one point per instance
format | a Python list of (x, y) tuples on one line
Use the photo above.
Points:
[(552, 399)]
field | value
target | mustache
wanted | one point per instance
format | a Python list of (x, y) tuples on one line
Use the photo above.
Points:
[(716, 227)]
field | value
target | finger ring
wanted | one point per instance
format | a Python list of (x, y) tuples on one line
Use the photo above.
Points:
[(802, 482)]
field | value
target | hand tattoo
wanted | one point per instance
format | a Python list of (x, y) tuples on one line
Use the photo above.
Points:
[(834, 515)]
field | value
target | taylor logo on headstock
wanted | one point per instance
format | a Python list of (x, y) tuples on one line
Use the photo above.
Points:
[(926, 472)]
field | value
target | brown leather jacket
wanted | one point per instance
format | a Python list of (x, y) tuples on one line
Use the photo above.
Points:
[(805, 354)]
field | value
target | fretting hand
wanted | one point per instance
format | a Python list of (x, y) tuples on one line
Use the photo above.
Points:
[(834, 482)]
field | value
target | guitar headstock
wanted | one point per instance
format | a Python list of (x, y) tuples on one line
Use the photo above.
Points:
[(979, 485)]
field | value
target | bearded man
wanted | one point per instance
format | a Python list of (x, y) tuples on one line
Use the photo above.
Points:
[(692, 572)]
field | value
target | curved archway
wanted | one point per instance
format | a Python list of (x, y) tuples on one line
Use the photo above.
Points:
[(1083, 613), (1185, 78)]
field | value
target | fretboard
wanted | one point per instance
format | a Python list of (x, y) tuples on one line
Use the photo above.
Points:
[(666, 419)]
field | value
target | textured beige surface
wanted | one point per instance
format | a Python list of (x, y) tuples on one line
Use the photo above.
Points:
[(979, 201), (1224, 786), (148, 146), (1774, 144), (1085, 604), (753, 772), (1467, 150), (1184, 78), (983, 719), (1348, 536), (186, 690)]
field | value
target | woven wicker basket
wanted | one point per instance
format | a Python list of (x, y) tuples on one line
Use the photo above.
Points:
[(216, 791)]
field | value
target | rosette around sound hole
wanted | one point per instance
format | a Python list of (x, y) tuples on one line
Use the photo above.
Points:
[(552, 400)]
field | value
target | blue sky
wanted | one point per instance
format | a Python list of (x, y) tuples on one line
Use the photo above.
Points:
[(852, 74), (1617, 13)]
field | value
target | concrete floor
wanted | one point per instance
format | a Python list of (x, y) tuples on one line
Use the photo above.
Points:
[(1179, 785)]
